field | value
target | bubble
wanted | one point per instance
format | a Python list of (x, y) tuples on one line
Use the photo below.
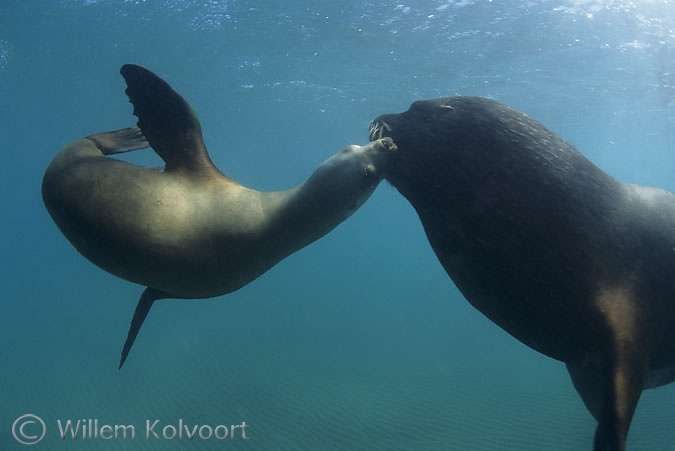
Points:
[(6, 54)]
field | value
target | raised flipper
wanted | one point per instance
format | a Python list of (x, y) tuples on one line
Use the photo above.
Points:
[(149, 296), (167, 121), (119, 141)]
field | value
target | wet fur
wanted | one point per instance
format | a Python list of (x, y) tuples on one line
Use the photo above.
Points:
[(570, 261), (190, 231)]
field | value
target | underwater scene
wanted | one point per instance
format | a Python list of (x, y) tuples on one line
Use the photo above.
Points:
[(359, 340)]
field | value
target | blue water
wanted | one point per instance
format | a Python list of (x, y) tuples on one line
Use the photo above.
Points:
[(360, 341)]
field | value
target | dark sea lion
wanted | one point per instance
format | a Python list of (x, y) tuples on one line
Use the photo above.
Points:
[(572, 262), (191, 232)]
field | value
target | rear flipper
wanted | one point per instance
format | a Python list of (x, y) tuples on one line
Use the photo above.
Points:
[(149, 296), (611, 395), (119, 141)]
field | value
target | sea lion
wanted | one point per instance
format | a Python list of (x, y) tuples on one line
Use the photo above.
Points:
[(570, 261), (191, 232)]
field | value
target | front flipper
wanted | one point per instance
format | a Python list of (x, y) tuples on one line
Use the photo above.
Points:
[(167, 121), (119, 141), (149, 296), (611, 395)]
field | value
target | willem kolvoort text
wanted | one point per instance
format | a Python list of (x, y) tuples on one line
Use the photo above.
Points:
[(90, 429)]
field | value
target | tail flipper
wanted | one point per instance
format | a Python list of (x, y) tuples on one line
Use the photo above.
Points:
[(149, 296), (119, 141)]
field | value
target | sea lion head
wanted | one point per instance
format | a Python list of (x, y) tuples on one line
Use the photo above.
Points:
[(457, 145), (428, 117), (351, 175), (373, 159), (427, 136)]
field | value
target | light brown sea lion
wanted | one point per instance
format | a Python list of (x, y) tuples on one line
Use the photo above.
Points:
[(191, 232)]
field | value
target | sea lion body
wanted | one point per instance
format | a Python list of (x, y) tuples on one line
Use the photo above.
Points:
[(190, 231), (570, 261), (196, 237)]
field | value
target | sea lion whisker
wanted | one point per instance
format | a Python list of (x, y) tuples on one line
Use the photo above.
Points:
[(376, 129)]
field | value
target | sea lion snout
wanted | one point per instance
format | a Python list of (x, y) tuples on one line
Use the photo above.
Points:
[(388, 144), (378, 154), (385, 144)]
